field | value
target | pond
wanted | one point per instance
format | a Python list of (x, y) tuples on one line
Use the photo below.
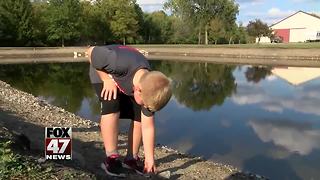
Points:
[(265, 120)]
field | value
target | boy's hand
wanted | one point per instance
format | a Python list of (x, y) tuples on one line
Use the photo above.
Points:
[(109, 90), (150, 167)]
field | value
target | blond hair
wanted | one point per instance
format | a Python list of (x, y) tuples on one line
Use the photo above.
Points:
[(155, 90)]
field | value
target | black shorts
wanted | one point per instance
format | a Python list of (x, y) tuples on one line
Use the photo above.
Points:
[(124, 104)]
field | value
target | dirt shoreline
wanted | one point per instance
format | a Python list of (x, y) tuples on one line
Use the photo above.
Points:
[(23, 113), (257, 56)]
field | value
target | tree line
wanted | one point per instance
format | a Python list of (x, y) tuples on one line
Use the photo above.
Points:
[(81, 22)]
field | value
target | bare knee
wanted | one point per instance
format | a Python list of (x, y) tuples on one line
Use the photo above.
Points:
[(109, 119)]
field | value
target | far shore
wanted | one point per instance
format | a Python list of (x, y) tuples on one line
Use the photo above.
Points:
[(234, 54)]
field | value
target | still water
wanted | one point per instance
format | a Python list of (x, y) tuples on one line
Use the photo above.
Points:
[(264, 120)]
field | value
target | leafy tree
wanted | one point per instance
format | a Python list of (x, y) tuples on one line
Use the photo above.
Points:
[(159, 27), (39, 25), (258, 29), (216, 30), (16, 23), (96, 28), (184, 21), (123, 18), (182, 32), (88, 16), (241, 35), (202, 12), (227, 15), (53, 22), (63, 20), (185, 10), (141, 23), (220, 32), (146, 30), (231, 32)]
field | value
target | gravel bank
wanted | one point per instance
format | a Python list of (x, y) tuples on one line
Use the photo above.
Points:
[(24, 113)]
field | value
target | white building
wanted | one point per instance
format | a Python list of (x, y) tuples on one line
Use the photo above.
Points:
[(299, 27), (263, 40)]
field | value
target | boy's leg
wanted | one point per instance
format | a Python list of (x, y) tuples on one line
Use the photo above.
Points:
[(131, 110), (109, 120), (132, 160), (134, 139), (109, 131)]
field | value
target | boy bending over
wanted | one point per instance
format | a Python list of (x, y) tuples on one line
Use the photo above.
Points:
[(127, 88)]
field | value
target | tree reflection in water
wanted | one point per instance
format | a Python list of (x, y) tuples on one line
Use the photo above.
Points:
[(64, 85), (199, 86), (256, 73)]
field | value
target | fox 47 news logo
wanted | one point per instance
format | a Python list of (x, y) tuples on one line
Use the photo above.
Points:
[(58, 143)]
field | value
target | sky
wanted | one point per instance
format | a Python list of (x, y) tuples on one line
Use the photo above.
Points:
[(269, 11)]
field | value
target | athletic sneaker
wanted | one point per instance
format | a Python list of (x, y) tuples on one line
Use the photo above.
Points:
[(134, 164), (113, 166)]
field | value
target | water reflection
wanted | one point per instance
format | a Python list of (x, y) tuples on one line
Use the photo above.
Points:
[(296, 75), (281, 169), (305, 99), (257, 73), (64, 85), (295, 137), (199, 86), (256, 118)]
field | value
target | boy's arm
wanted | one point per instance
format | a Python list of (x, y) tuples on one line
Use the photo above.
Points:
[(109, 88), (148, 138), (103, 75)]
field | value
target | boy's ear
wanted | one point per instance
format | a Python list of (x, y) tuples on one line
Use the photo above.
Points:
[(137, 88)]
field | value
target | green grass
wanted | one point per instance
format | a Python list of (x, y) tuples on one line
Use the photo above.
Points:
[(15, 166), (314, 45)]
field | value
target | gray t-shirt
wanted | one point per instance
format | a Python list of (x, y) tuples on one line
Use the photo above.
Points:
[(121, 62)]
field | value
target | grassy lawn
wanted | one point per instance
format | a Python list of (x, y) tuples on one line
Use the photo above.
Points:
[(273, 45), (15, 166)]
